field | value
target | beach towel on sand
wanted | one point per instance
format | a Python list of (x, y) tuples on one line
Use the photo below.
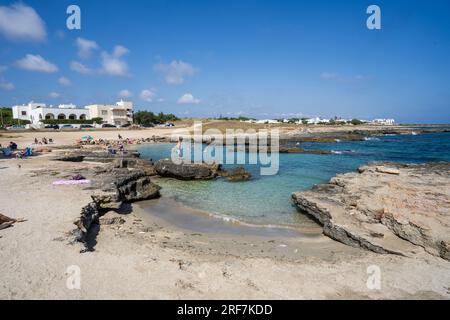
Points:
[(70, 182)]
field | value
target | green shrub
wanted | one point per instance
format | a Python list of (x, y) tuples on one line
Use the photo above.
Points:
[(66, 121), (356, 122), (148, 117), (6, 118)]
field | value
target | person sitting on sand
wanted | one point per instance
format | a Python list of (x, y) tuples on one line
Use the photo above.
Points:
[(119, 136), (110, 149), (13, 145), (7, 152), (20, 154)]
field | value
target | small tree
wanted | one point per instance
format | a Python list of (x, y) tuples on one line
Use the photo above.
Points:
[(97, 120), (356, 122)]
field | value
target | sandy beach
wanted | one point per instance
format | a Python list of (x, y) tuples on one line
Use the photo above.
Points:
[(67, 137), (151, 257)]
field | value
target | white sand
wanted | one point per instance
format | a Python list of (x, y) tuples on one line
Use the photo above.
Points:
[(150, 258)]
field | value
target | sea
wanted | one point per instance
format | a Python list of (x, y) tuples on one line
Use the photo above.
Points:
[(266, 200)]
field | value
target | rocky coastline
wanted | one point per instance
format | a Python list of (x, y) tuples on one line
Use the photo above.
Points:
[(385, 208)]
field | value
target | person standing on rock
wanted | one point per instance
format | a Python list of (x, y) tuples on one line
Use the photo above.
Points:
[(178, 149)]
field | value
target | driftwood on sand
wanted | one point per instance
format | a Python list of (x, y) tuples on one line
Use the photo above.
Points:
[(6, 222)]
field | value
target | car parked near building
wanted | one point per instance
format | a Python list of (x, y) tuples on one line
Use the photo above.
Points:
[(66, 126), (107, 125), (15, 127), (52, 126)]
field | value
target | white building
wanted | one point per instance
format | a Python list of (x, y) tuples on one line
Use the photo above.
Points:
[(119, 114), (317, 120), (35, 112), (386, 122), (267, 121)]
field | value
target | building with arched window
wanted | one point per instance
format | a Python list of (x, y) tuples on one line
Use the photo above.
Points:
[(118, 114), (35, 112)]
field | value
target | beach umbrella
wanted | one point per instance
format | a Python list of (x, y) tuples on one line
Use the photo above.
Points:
[(87, 138)]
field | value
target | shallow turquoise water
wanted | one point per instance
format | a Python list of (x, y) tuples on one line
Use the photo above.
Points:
[(267, 199)]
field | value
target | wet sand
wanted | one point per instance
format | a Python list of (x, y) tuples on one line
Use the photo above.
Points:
[(199, 221)]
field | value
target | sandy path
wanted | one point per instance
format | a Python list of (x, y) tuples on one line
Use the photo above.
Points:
[(148, 258)]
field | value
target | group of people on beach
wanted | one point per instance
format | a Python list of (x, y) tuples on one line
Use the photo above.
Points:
[(43, 141), (12, 150), (114, 146)]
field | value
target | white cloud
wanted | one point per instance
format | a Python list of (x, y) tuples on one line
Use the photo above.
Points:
[(85, 47), (21, 22), (80, 68), (54, 95), (112, 64), (161, 100), (36, 63), (119, 51), (148, 95), (64, 81), (188, 98), (328, 75), (125, 93), (3, 68), (6, 85), (175, 72)]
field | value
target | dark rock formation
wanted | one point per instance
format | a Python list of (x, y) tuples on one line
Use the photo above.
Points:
[(236, 174), (89, 216), (301, 150), (97, 156), (71, 158), (187, 171), (123, 185), (112, 188)]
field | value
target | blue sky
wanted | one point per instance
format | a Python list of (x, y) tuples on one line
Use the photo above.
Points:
[(254, 58)]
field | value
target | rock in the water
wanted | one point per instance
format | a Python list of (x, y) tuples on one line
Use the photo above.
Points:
[(301, 150), (236, 174), (187, 171), (397, 209)]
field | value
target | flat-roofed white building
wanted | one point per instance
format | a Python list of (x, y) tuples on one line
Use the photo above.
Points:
[(35, 112), (23, 112), (119, 114), (388, 122)]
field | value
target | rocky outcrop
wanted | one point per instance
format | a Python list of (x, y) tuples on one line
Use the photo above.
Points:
[(236, 174), (123, 185), (301, 150), (89, 215), (97, 156), (112, 188), (385, 208), (187, 171)]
